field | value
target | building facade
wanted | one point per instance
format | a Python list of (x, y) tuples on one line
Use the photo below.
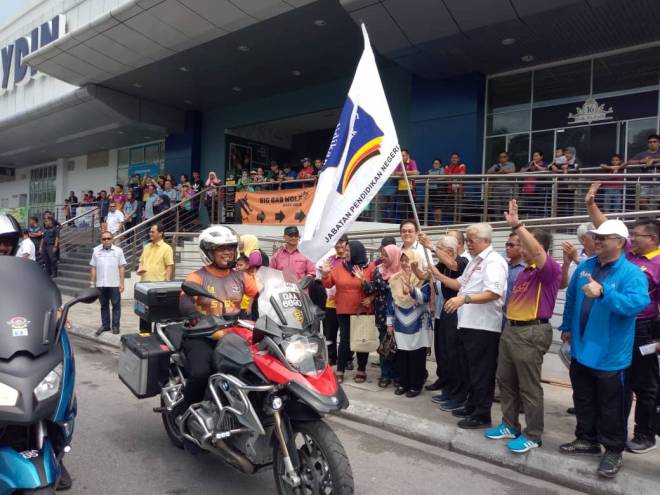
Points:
[(93, 90)]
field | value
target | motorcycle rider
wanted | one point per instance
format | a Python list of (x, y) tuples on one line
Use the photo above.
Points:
[(10, 234), (218, 246)]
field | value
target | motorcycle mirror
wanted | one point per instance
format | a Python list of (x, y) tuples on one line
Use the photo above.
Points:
[(192, 289), (306, 282), (87, 296)]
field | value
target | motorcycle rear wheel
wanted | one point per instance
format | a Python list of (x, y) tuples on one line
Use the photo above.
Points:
[(324, 467), (172, 430)]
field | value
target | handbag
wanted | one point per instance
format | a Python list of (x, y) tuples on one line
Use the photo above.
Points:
[(387, 348), (364, 334)]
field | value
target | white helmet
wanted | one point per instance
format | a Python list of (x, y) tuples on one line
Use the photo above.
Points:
[(212, 238)]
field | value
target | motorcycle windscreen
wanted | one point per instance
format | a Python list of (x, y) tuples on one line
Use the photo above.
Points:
[(279, 296), (28, 307)]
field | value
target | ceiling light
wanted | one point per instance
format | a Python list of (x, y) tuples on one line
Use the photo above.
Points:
[(244, 48), (508, 41), (137, 85), (147, 137), (236, 88), (296, 73), (121, 132), (188, 102), (319, 23), (184, 69), (527, 58)]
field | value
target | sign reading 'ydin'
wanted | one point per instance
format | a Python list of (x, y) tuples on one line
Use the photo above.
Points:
[(14, 71)]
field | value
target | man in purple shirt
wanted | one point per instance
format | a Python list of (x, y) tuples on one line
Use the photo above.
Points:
[(526, 338), (641, 250), (290, 260), (402, 198)]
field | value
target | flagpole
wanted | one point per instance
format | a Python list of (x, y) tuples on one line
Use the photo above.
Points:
[(419, 226)]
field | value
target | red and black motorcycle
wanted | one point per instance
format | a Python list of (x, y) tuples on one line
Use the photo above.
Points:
[(265, 402)]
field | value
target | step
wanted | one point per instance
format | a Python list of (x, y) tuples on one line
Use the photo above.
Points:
[(71, 282), (74, 275), (69, 268)]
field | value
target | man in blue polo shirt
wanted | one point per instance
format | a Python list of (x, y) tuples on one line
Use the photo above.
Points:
[(604, 296)]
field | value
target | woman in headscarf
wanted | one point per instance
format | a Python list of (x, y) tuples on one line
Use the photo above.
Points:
[(212, 185), (383, 269), (348, 299), (408, 318)]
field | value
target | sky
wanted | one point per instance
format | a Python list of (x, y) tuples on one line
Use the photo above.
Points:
[(9, 8)]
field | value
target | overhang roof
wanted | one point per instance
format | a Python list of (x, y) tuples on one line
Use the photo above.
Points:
[(141, 32), (88, 119)]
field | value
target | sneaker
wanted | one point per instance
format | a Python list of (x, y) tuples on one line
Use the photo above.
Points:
[(452, 405), (523, 444), (610, 464), (580, 447), (500, 432), (440, 398), (640, 445)]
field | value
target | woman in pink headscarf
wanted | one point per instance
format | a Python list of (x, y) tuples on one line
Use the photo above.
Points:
[(212, 185), (378, 287)]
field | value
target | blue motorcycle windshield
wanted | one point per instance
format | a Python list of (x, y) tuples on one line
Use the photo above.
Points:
[(29, 300)]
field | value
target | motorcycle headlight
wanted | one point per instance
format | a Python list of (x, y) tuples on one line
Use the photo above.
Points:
[(8, 396), (307, 354), (50, 385)]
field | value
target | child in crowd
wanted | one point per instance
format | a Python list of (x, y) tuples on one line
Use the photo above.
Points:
[(613, 186)]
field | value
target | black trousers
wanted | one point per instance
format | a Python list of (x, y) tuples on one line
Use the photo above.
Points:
[(49, 257), (412, 367), (481, 348), (643, 380), (599, 406), (199, 365), (440, 351), (110, 295), (330, 329), (344, 355), (457, 375)]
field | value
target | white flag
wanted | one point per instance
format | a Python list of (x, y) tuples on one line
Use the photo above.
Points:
[(363, 153)]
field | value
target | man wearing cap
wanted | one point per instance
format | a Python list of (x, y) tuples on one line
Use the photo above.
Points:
[(641, 250), (290, 260), (603, 298), (526, 338), (306, 171)]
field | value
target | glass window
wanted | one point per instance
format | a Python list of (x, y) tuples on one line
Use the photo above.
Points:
[(627, 71), (122, 158), (638, 133), (137, 155), (493, 148), (562, 81), (152, 153), (545, 142), (509, 92), (518, 149), (507, 123)]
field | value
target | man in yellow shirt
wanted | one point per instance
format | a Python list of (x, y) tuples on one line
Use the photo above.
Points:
[(157, 260), (156, 263)]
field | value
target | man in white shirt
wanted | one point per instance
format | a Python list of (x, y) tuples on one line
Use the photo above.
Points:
[(480, 299), (114, 220), (461, 243), (107, 274), (26, 248)]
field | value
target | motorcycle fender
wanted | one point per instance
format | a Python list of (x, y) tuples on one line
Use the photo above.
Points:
[(27, 470), (319, 403)]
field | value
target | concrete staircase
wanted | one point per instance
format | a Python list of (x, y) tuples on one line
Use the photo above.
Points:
[(73, 270)]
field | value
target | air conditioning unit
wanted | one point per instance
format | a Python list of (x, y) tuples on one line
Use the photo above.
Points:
[(7, 174)]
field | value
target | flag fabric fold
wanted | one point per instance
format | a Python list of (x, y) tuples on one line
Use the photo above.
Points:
[(363, 153)]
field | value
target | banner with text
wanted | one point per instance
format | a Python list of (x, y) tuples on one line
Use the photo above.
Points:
[(288, 207)]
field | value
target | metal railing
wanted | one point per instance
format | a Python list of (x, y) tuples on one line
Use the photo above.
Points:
[(82, 229)]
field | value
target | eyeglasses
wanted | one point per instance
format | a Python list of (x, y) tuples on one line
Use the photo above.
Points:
[(106, 238), (511, 244), (598, 237)]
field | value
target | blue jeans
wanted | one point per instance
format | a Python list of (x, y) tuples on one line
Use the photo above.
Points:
[(613, 200), (110, 295)]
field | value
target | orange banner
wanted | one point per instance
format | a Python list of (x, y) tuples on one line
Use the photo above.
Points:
[(288, 207)]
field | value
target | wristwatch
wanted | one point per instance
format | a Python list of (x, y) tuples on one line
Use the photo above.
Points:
[(467, 299)]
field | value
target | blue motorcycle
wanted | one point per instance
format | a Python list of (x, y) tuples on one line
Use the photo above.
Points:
[(37, 375)]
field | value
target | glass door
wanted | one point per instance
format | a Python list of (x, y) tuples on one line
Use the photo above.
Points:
[(593, 144), (42, 189)]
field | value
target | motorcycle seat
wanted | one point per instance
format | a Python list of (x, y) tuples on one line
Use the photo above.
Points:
[(174, 334)]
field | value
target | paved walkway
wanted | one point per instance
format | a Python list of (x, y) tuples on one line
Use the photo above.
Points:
[(418, 418)]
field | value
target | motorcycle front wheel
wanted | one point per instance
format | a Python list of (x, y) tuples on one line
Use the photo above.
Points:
[(49, 490), (324, 468)]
